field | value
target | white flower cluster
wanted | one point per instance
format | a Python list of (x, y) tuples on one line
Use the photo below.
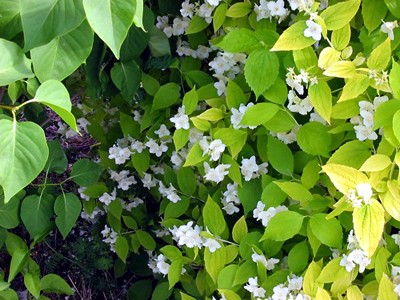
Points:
[(178, 157), (122, 150), (361, 195), (107, 198), (155, 148), (271, 9), (158, 264), (214, 149), (81, 191), (109, 237), (298, 83), (388, 27), (149, 181), (266, 215), (230, 199), (181, 120), (253, 287), (65, 130), (269, 264), (313, 30), (356, 256), (226, 66), (291, 290), (287, 137), (364, 123), (189, 236), (123, 179), (170, 193), (216, 174), (92, 217), (183, 49), (251, 170), (237, 116)]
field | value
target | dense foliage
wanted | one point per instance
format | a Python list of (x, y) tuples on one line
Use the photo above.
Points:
[(201, 149)]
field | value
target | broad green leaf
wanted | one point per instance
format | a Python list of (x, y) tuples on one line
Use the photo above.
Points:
[(296, 191), (55, 284), (196, 25), (219, 16), (141, 161), (213, 217), (394, 7), (375, 163), (322, 294), (180, 137), (385, 112), (298, 257), (368, 225), (344, 178), (166, 96), (187, 181), (354, 87), (122, 248), (239, 40), (32, 283), (141, 290), (175, 210), (340, 14), (85, 172), (159, 43), (9, 213), (234, 95), (111, 19), (341, 69), (174, 273), (283, 226), (261, 70), (146, 240), (310, 175), (63, 54), (373, 11), (391, 199), (161, 291), (230, 136), (313, 138), (259, 114), (214, 262), (18, 261), (310, 277), (305, 58), (328, 57), (273, 195), (239, 229), (150, 84), (293, 38), (10, 12), (277, 93), (283, 121), (394, 78), (195, 156), (171, 252), (249, 194), (321, 98), (127, 77), (138, 17), (352, 154), (37, 215), (23, 155), (43, 20), (55, 95), (212, 115), (57, 161), (354, 293), (386, 289), (396, 125), (13, 63), (380, 56), (341, 37), (234, 170), (190, 101), (328, 232), (239, 10), (67, 208), (226, 277), (280, 156)]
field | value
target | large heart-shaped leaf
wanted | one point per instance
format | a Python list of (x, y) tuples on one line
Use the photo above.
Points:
[(43, 20), (64, 54), (67, 208), (9, 213), (111, 20), (13, 63), (23, 154), (54, 94)]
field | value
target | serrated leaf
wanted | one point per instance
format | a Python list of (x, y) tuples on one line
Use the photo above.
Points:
[(239, 10), (340, 14), (239, 229), (261, 70), (352, 154), (67, 208), (341, 69), (213, 217), (293, 38), (313, 138), (344, 178), (391, 199), (55, 95), (111, 20), (259, 114), (234, 95), (295, 191), (23, 155), (341, 37), (368, 223), (380, 56), (321, 98), (219, 16), (328, 57), (239, 40)]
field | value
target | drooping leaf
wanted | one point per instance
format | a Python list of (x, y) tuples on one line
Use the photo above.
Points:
[(67, 208), (111, 20), (43, 20), (13, 63), (23, 155), (55, 284), (63, 54), (18, 261), (55, 95)]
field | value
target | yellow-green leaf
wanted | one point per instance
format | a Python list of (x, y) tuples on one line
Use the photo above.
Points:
[(328, 57), (321, 99), (340, 14), (391, 199), (354, 293), (386, 289), (343, 177), (341, 37), (375, 163), (354, 87), (293, 38), (341, 69), (322, 294), (380, 56)]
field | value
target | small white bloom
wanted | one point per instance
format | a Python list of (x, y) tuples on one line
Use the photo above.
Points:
[(216, 174), (181, 120), (162, 131), (313, 30), (387, 27), (212, 244)]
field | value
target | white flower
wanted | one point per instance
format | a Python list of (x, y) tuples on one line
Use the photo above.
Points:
[(162, 22), (268, 264), (213, 2), (364, 190), (107, 198), (187, 9), (120, 155), (277, 8), (249, 168), (181, 120), (162, 131), (148, 181), (313, 30), (155, 148), (212, 244), (220, 86), (216, 174), (187, 235), (179, 26), (203, 52), (280, 292), (295, 283), (397, 289), (387, 27)]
